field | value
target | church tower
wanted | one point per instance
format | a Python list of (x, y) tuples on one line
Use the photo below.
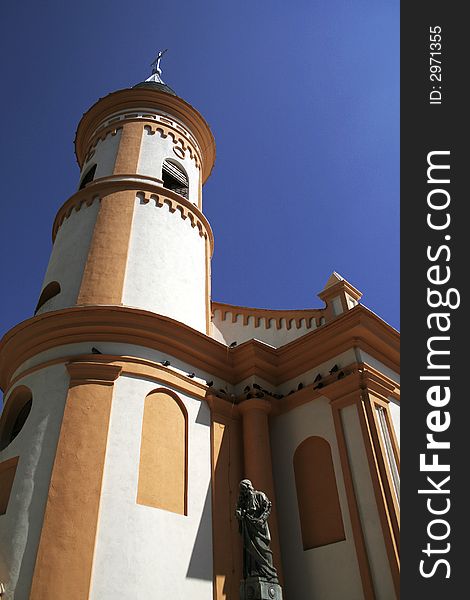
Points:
[(134, 404), (131, 242)]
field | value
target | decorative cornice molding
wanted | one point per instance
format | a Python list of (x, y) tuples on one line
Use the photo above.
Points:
[(92, 372), (100, 137), (289, 316), (136, 98), (358, 327), (80, 371), (258, 404), (221, 406), (178, 138), (147, 188), (175, 202)]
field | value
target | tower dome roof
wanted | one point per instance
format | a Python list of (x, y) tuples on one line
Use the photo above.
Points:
[(156, 85)]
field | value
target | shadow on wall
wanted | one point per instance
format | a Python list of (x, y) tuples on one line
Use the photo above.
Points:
[(203, 416), (200, 564), (228, 472)]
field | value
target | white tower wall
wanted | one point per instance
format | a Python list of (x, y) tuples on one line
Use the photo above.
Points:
[(68, 257), (103, 155), (166, 265)]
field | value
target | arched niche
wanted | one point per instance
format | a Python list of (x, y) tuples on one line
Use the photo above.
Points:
[(87, 177), (51, 290), (14, 415), (317, 494), (163, 466)]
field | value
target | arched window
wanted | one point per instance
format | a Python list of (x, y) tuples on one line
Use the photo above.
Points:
[(317, 495), (175, 178), (163, 453), (89, 176), (51, 290), (15, 413)]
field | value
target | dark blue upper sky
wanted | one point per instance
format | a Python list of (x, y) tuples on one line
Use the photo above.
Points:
[(303, 101)]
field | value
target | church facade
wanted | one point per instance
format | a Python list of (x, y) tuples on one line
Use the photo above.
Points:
[(135, 404)]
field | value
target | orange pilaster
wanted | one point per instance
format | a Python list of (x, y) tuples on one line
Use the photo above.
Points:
[(65, 555), (258, 462)]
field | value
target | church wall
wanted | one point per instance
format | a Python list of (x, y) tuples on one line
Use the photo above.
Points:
[(35, 445), (103, 155), (307, 378), (155, 149), (147, 552), (227, 332), (377, 364), (374, 540), (68, 257), (166, 266), (311, 573)]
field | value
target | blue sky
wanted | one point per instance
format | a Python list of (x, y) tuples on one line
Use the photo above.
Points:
[(303, 101)]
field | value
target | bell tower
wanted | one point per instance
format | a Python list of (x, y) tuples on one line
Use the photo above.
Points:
[(101, 452), (134, 233)]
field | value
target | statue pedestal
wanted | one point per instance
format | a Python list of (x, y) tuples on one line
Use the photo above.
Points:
[(256, 588)]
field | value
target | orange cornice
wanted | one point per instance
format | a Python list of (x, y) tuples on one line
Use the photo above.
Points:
[(92, 372), (358, 327), (105, 368), (135, 98), (290, 316), (357, 376), (222, 407), (151, 191), (255, 404)]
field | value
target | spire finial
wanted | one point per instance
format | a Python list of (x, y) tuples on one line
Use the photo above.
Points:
[(156, 71)]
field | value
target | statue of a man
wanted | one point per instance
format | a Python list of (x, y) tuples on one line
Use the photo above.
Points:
[(252, 512)]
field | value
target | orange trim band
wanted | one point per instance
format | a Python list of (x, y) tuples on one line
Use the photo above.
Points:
[(145, 188), (143, 328), (136, 98), (130, 366)]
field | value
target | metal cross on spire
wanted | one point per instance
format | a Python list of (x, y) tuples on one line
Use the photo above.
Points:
[(156, 70)]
